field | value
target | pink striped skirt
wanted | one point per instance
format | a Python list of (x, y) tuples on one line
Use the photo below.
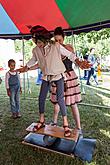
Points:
[(72, 94)]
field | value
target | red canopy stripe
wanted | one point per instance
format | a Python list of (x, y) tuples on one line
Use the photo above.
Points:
[(25, 13)]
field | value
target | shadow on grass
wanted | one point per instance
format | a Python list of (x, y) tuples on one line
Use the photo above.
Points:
[(96, 96)]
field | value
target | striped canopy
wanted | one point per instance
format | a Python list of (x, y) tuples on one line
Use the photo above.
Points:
[(17, 16)]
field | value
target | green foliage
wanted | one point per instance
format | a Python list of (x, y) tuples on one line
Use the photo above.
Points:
[(28, 46), (100, 40)]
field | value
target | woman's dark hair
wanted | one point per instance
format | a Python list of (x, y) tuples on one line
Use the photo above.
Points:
[(59, 31)]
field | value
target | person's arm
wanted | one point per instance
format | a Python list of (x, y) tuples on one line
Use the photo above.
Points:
[(34, 67), (7, 84), (6, 80), (93, 60), (69, 47), (33, 60), (67, 53), (31, 64), (72, 56)]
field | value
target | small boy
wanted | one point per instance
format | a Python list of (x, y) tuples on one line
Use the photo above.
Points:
[(13, 86)]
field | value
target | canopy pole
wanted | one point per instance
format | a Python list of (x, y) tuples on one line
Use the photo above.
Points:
[(82, 87), (24, 86), (28, 83)]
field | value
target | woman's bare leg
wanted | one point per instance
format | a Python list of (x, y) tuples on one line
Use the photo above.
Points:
[(76, 116)]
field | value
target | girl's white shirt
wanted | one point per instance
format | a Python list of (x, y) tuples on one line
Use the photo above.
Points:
[(50, 61)]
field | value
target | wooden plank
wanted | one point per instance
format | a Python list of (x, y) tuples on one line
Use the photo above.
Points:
[(47, 149), (54, 131)]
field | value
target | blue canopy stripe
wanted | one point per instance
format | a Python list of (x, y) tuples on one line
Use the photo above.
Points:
[(6, 24)]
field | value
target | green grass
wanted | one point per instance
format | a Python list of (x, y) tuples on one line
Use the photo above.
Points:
[(95, 122)]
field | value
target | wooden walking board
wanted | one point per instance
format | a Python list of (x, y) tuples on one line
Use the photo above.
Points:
[(54, 131)]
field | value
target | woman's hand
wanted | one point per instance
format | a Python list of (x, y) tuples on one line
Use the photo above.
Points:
[(84, 64)]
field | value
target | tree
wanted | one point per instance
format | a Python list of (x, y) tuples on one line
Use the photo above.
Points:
[(28, 46), (97, 39), (82, 43)]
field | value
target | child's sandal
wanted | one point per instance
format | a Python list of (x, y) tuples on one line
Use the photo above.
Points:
[(67, 133), (37, 127)]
